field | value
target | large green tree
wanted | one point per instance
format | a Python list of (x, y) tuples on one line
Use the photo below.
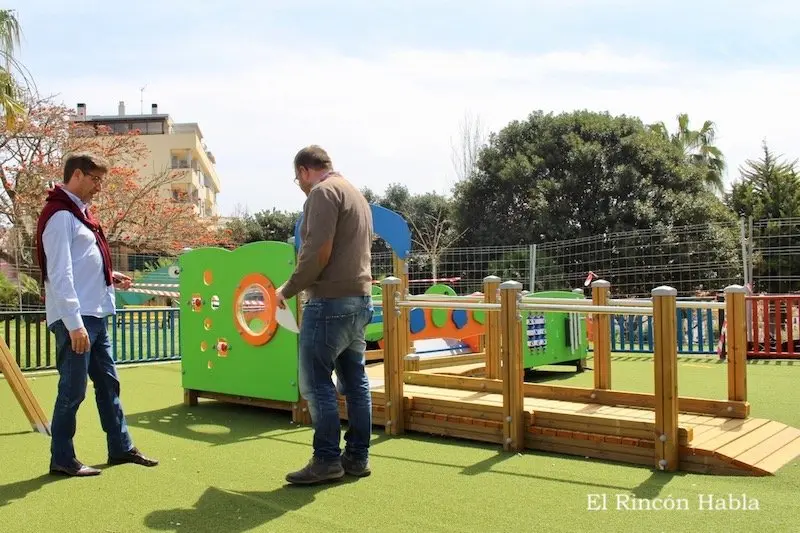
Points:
[(265, 225), (580, 174)]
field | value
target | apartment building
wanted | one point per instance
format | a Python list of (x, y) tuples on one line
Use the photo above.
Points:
[(177, 146)]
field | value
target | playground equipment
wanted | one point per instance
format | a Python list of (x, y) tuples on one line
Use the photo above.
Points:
[(234, 346), (235, 349), (24, 394), (663, 429)]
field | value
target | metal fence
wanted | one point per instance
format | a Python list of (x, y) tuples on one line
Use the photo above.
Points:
[(694, 259), (136, 335), (773, 255), (461, 268)]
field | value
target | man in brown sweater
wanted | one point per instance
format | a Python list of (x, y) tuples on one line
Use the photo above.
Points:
[(334, 269)]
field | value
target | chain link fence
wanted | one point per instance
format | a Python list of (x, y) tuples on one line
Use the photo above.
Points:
[(773, 253), (696, 260)]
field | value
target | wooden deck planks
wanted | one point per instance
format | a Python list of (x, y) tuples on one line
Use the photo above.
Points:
[(709, 444), (780, 457), (772, 445)]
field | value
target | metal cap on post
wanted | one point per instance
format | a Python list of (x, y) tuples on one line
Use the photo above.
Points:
[(511, 285), (601, 283), (490, 279), (735, 289), (664, 290), (390, 280)]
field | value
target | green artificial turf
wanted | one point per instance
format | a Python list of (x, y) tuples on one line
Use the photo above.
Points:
[(223, 466)]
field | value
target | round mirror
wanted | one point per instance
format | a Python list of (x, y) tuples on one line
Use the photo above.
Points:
[(254, 309), (250, 309)]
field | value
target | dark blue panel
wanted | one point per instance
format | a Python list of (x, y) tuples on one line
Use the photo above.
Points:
[(416, 320), (459, 318), (389, 225)]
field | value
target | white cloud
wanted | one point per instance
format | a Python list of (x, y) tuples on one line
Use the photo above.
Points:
[(389, 117)]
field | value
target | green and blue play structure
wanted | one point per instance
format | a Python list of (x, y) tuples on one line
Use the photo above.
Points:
[(233, 341)]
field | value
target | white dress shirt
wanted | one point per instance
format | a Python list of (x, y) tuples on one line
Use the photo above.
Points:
[(76, 282)]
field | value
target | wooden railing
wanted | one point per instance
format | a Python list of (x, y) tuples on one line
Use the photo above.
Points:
[(665, 401)]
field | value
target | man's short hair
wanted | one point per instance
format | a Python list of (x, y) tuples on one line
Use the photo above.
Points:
[(313, 157), (85, 162)]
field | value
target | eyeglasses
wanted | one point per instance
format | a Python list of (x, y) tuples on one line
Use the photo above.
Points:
[(96, 179)]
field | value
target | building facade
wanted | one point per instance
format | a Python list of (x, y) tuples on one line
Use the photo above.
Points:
[(172, 146)]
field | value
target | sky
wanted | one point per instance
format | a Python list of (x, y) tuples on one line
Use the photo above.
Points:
[(385, 86)]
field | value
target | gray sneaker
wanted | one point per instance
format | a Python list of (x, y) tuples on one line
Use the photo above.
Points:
[(316, 471), (355, 467)]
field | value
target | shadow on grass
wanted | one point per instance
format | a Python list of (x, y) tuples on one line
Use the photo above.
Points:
[(235, 423), (236, 512), (214, 423), (20, 489), (651, 487)]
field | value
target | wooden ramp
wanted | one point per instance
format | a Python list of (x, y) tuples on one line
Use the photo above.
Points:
[(708, 444)]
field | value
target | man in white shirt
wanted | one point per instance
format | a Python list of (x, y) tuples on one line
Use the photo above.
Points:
[(75, 261)]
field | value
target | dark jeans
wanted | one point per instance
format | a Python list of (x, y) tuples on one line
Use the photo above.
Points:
[(332, 339), (74, 369)]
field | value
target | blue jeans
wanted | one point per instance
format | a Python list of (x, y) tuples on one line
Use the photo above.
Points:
[(332, 339), (74, 370)]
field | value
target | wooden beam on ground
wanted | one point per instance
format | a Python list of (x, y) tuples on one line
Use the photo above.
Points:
[(19, 386), (441, 361), (374, 355)]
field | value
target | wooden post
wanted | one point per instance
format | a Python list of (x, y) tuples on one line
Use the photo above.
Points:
[(401, 273), (735, 311), (19, 386), (491, 284), (393, 355), (665, 361), (602, 336), (412, 362), (511, 369), (300, 413)]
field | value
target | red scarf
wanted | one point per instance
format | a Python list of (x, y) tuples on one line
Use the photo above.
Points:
[(58, 200)]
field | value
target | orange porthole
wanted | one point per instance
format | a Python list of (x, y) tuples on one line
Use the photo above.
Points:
[(254, 309)]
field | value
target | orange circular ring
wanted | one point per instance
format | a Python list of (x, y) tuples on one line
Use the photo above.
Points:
[(268, 315)]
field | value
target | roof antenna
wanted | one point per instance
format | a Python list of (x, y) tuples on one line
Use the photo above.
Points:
[(141, 100)]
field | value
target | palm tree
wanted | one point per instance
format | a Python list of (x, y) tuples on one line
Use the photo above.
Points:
[(9, 41), (698, 148)]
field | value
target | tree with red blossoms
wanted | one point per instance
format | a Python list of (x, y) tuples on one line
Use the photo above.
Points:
[(131, 207)]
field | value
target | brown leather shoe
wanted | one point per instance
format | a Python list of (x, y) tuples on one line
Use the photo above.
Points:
[(133, 456), (77, 469)]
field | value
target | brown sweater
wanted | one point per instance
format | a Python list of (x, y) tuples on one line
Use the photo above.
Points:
[(338, 219)]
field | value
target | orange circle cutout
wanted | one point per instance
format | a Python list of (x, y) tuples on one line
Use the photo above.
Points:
[(254, 309)]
